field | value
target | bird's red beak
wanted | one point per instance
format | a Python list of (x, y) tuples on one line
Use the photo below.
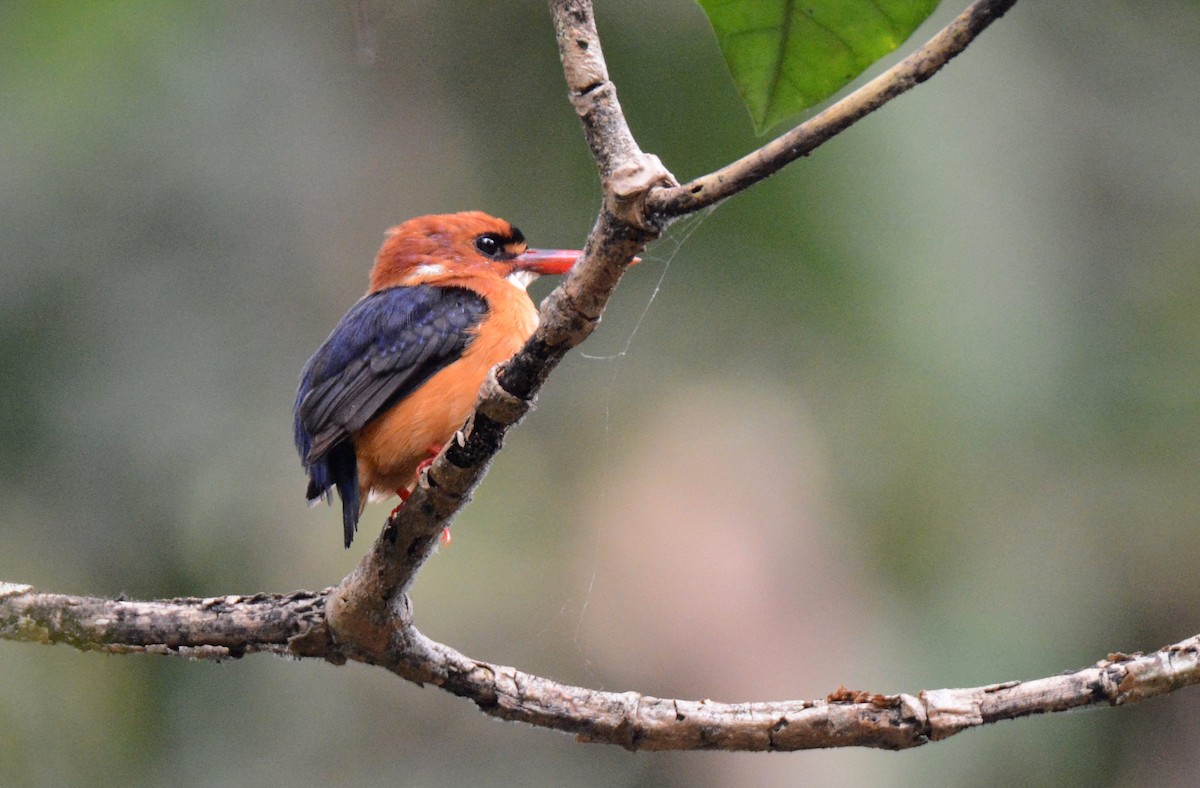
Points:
[(550, 262), (547, 261)]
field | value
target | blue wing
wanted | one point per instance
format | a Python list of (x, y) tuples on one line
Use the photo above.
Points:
[(382, 350)]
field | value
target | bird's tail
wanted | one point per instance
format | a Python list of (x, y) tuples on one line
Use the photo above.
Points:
[(338, 468)]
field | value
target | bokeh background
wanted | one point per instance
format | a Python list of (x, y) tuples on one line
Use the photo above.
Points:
[(922, 411)]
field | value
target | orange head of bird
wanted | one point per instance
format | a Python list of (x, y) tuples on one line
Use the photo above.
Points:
[(444, 248)]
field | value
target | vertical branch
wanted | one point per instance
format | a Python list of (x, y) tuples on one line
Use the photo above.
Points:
[(627, 174), (591, 93), (369, 611)]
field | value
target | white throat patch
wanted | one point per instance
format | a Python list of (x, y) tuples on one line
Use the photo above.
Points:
[(428, 269), (522, 278)]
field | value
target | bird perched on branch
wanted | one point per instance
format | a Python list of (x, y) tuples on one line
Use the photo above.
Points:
[(402, 369)]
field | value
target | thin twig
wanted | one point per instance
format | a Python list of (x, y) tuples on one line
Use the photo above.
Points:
[(669, 203)]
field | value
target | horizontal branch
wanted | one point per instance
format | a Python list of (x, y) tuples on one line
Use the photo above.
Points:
[(665, 204), (214, 628), (843, 719), (294, 625)]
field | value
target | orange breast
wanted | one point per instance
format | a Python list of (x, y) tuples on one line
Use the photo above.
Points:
[(391, 446)]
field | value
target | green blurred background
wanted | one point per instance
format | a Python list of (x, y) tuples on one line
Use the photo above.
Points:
[(922, 411)]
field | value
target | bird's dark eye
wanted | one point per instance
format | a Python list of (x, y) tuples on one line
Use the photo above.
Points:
[(489, 245)]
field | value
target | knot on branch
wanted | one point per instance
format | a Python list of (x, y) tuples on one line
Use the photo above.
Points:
[(1157, 674), (627, 189), (448, 486), (593, 93), (950, 711), (365, 622), (499, 404)]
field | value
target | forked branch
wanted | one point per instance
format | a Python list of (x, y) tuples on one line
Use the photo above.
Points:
[(368, 618), (294, 624), (670, 203), (640, 199)]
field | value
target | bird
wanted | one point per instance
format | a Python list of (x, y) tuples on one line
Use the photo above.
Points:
[(400, 372)]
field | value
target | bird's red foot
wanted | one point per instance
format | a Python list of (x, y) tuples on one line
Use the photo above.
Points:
[(434, 450), (403, 494)]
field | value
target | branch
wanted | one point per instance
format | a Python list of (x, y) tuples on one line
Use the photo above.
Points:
[(216, 628), (666, 204), (369, 608), (640, 199), (368, 617), (293, 624)]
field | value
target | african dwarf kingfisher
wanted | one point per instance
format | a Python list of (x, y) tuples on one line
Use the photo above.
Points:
[(401, 371)]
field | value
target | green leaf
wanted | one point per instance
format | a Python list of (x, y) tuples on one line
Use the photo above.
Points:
[(786, 56)]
